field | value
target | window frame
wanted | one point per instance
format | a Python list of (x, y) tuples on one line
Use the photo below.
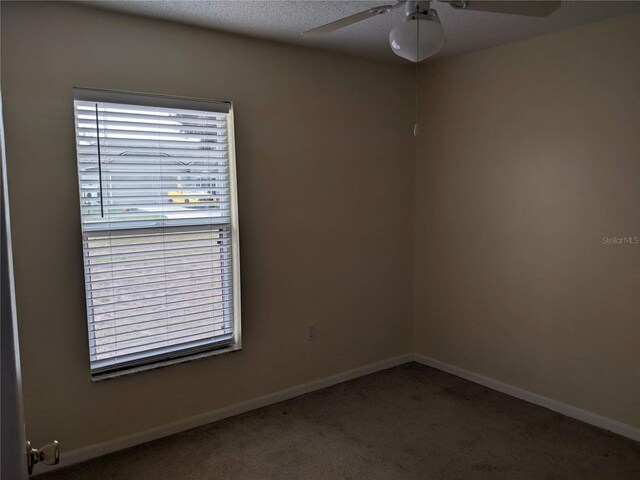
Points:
[(197, 352)]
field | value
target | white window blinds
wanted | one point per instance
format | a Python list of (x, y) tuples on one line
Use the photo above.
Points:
[(159, 226)]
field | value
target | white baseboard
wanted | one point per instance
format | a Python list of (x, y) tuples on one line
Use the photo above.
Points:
[(110, 446), (563, 408)]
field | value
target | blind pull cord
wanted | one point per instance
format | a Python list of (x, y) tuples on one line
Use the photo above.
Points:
[(99, 163), (416, 125)]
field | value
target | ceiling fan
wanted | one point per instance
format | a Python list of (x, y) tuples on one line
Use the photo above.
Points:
[(421, 35)]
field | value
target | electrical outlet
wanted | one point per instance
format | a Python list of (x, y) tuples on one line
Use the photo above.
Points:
[(311, 331)]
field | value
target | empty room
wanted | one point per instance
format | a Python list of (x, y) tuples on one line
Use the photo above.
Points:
[(262, 240)]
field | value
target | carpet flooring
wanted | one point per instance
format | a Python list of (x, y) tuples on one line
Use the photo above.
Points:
[(409, 422)]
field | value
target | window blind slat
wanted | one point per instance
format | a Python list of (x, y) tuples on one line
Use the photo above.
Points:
[(225, 263), (175, 313), (222, 243), (142, 170), (155, 198), (132, 124), (114, 264), (140, 352), (163, 253), (167, 342), (135, 223), (113, 179), (107, 286), (109, 337), (149, 278), (163, 155), (140, 293), (125, 333), (211, 314), (159, 354), (149, 114), (134, 339), (102, 306), (121, 119), (110, 330), (123, 209), (150, 336), (191, 158)]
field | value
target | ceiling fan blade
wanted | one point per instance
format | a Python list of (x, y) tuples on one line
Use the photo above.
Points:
[(350, 20), (541, 8)]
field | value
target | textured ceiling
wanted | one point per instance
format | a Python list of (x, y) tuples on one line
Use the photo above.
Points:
[(284, 20)]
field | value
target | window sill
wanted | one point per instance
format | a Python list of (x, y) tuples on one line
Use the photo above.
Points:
[(163, 363)]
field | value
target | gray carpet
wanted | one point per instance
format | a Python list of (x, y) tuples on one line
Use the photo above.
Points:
[(409, 422)]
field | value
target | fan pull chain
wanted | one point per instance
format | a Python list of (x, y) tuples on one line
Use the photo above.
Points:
[(416, 125)]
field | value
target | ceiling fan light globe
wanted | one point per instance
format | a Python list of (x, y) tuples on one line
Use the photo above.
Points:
[(403, 38)]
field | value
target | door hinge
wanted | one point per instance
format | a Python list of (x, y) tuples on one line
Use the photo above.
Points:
[(49, 455)]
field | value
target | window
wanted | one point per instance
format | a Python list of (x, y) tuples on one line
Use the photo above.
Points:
[(159, 227)]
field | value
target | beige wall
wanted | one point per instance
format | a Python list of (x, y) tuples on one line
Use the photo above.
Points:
[(324, 152), (531, 155)]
